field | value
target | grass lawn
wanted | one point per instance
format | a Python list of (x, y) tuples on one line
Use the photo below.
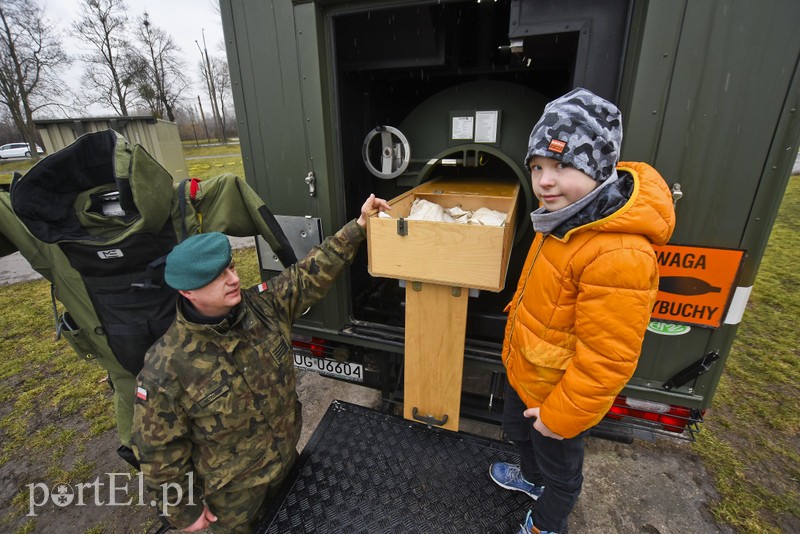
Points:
[(191, 151), (7, 169), (200, 142), (208, 168), (751, 441)]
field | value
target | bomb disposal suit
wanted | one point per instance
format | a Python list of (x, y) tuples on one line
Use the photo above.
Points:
[(97, 219)]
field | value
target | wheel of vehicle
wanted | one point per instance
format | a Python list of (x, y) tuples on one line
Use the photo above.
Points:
[(27, 153)]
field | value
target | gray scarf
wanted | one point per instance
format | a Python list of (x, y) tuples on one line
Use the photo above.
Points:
[(545, 221)]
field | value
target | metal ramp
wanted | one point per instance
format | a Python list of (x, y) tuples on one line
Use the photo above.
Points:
[(366, 472)]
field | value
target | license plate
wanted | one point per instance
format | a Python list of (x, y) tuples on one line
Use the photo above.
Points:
[(353, 372)]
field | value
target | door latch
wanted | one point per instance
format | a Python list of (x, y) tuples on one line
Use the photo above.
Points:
[(677, 194), (311, 181)]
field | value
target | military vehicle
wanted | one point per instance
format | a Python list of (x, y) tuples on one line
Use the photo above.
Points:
[(338, 99)]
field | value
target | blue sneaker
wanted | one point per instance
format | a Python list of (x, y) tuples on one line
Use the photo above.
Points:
[(528, 528), (510, 477)]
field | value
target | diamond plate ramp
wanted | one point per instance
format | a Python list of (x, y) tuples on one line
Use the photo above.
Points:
[(365, 472)]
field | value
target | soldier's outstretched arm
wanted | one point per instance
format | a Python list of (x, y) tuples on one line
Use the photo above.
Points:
[(304, 283)]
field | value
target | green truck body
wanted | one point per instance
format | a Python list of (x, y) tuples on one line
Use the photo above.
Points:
[(709, 92)]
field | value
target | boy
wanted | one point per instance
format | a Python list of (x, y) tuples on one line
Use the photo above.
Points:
[(576, 323)]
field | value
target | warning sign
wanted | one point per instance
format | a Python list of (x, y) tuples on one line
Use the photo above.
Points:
[(695, 284)]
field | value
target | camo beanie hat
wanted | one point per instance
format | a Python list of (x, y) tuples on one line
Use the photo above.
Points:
[(582, 130), (197, 261)]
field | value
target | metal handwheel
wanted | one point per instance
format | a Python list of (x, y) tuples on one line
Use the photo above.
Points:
[(394, 155)]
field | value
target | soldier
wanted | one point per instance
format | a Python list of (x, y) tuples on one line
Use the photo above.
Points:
[(216, 418)]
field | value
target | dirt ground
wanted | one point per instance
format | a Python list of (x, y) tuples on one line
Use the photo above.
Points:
[(655, 488)]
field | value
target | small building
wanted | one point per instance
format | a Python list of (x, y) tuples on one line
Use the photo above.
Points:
[(159, 137)]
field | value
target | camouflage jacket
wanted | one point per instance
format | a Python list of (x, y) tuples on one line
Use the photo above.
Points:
[(219, 401)]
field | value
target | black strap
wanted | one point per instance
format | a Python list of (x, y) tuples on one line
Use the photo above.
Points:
[(182, 205), (153, 281), (285, 253), (55, 311)]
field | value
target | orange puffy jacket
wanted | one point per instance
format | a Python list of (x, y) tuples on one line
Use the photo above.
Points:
[(576, 323)]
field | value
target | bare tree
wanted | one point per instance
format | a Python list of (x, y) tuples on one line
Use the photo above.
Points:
[(30, 58), (8, 132), (161, 80), (215, 7), (222, 77), (110, 75), (208, 72)]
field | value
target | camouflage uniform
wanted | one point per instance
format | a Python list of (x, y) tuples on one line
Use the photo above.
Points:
[(220, 400)]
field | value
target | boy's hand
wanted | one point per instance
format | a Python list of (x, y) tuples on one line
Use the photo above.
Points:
[(539, 426), (371, 203)]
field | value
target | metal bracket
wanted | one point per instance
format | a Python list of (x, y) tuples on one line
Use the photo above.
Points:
[(428, 419), (402, 227), (692, 371), (303, 233)]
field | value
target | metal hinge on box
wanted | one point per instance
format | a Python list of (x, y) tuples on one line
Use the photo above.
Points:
[(402, 226)]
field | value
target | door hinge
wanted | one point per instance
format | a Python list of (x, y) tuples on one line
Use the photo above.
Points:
[(692, 371)]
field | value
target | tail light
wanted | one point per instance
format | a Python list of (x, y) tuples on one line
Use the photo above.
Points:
[(662, 416), (314, 345)]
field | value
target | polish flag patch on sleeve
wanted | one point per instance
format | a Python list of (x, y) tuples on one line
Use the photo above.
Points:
[(141, 393), (262, 287)]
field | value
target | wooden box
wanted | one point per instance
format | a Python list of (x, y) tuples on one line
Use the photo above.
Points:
[(453, 254)]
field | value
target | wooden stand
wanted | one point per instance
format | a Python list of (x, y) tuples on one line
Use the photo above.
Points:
[(439, 262), (436, 323)]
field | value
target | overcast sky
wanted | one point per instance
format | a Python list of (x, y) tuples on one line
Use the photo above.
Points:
[(184, 20)]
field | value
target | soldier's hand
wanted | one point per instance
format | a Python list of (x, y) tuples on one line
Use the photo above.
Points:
[(372, 203), (204, 521)]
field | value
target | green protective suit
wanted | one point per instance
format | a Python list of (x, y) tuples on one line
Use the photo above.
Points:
[(97, 220)]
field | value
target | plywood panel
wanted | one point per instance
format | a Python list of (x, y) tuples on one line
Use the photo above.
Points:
[(436, 322)]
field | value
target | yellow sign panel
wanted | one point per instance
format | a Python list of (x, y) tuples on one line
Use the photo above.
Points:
[(695, 284)]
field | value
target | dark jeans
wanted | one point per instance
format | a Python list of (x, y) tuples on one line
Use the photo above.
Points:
[(555, 464)]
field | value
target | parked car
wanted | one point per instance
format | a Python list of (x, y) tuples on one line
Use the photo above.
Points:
[(18, 150)]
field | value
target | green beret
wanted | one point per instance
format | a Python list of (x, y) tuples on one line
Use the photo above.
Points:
[(197, 261)]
